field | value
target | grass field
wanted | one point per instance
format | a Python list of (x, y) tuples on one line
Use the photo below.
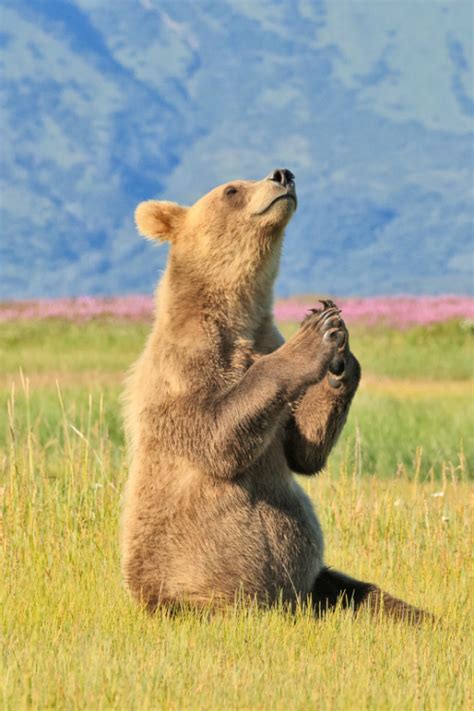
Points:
[(395, 504)]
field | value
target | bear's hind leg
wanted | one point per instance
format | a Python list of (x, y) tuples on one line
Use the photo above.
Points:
[(332, 588)]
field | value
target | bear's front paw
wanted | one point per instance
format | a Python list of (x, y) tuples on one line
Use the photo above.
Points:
[(345, 371), (320, 339), (327, 323), (337, 366)]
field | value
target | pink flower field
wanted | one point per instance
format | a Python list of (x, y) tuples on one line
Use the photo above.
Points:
[(398, 311)]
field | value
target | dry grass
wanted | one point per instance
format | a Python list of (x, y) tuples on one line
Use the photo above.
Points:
[(72, 639)]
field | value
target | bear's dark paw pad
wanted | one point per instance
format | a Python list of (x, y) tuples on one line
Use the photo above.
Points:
[(334, 381), (335, 331), (337, 366), (341, 336)]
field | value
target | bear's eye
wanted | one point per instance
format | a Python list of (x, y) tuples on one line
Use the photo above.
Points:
[(231, 190)]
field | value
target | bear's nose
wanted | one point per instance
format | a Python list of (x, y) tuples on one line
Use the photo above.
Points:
[(283, 176)]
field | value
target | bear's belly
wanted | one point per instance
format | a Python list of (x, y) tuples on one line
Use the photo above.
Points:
[(264, 542)]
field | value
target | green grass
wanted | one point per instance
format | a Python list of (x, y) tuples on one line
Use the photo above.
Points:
[(394, 505), (441, 351), (64, 346), (395, 435), (389, 433)]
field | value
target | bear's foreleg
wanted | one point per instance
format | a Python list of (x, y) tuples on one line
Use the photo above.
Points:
[(225, 433), (318, 417)]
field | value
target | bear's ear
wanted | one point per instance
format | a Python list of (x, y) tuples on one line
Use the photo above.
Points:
[(158, 219)]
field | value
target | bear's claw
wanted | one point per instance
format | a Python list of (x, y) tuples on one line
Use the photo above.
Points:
[(328, 320)]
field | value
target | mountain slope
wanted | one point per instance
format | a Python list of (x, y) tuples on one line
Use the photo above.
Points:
[(107, 104)]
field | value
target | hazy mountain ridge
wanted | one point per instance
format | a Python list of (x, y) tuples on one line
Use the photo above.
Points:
[(110, 104)]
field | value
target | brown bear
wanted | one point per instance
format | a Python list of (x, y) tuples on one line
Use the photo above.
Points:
[(220, 413)]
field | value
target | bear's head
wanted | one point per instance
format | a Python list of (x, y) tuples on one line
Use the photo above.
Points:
[(234, 230)]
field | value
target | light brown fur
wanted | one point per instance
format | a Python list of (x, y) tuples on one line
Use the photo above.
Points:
[(219, 411)]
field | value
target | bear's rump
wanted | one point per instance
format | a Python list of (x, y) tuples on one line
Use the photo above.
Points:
[(245, 545)]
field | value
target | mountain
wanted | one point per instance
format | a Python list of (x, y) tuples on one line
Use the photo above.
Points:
[(370, 104)]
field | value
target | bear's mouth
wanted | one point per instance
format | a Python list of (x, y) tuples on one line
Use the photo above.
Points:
[(285, 196)]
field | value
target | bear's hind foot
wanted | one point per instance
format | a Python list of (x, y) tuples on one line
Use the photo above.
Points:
[(332, 588)]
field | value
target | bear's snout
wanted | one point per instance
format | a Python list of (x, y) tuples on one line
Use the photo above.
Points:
[(282, 176)]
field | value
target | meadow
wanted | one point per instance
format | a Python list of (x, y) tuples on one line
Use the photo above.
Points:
[(395, 504)]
